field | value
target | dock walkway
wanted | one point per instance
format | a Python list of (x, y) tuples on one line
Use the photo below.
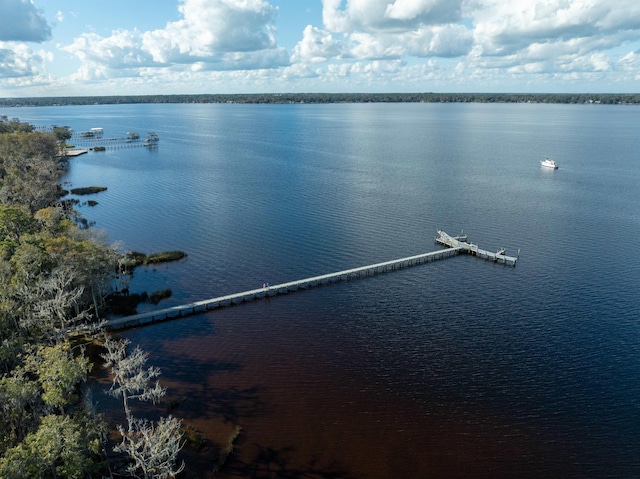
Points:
[(76, 152), (455, 245), (283, 288), (112, 143)]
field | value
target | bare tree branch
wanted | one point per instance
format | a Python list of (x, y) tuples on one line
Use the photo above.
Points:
[(153, 447)]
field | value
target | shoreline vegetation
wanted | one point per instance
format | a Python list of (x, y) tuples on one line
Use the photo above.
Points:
[(316, 98), (57, 279)]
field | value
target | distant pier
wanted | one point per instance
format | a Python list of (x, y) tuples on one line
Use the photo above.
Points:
[(75, 152), (95, 140), (455, 246), (113, 143)]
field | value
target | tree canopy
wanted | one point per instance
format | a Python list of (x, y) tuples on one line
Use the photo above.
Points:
[(53, 276)]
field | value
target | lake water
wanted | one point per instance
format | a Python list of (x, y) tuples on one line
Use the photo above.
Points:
[(458, 368)]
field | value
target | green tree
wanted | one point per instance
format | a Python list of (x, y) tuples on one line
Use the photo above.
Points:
[(59, 372), (15, 221), (29, 170), (21, 405), (62, 135), (60, 448), (10, 350), (15, 126)]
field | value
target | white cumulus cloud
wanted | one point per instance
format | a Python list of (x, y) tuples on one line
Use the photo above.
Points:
[(21, 21), (210, 28), (210, 35), (378, 15), (502, 28), (382, 29), (120, 50), (19, 61), (317, 45)]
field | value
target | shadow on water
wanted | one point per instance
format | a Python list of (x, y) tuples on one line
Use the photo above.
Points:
[(278, 463), (186, 368), (194, 325), (187, 381), (230, 405)]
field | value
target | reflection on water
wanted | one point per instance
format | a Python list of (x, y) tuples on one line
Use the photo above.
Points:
[(315, 394)]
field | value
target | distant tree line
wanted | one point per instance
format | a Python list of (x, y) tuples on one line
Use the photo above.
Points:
[(286, 98)]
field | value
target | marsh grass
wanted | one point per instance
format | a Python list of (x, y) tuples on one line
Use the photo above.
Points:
[(158, 296), (195, 439), (137, 258), (226, 452), (165, 257), (88, 190)]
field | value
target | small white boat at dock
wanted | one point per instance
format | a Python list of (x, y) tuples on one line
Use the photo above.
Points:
[(549, 164)]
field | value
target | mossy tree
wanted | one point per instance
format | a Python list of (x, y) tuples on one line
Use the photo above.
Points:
[(51, 277), (152, 447)]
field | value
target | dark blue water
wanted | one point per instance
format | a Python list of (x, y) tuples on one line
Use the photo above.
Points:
[(459, 368)]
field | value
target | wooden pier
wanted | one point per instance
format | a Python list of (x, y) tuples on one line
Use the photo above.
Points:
[(278, 289), (461, 242), (117, 143), (455, 245), (112, 143), (76, 152)]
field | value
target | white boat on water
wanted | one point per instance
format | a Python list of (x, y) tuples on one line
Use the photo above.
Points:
[(549, 164)]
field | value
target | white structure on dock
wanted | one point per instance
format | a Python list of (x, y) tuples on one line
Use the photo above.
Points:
[(455, 246), (461, 242)]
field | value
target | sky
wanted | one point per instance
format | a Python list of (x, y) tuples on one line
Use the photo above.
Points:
[(148, 47)]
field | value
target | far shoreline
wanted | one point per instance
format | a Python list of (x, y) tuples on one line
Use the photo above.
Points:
[(320, 98)]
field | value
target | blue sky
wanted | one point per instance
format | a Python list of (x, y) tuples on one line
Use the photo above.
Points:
[(81, 47)]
